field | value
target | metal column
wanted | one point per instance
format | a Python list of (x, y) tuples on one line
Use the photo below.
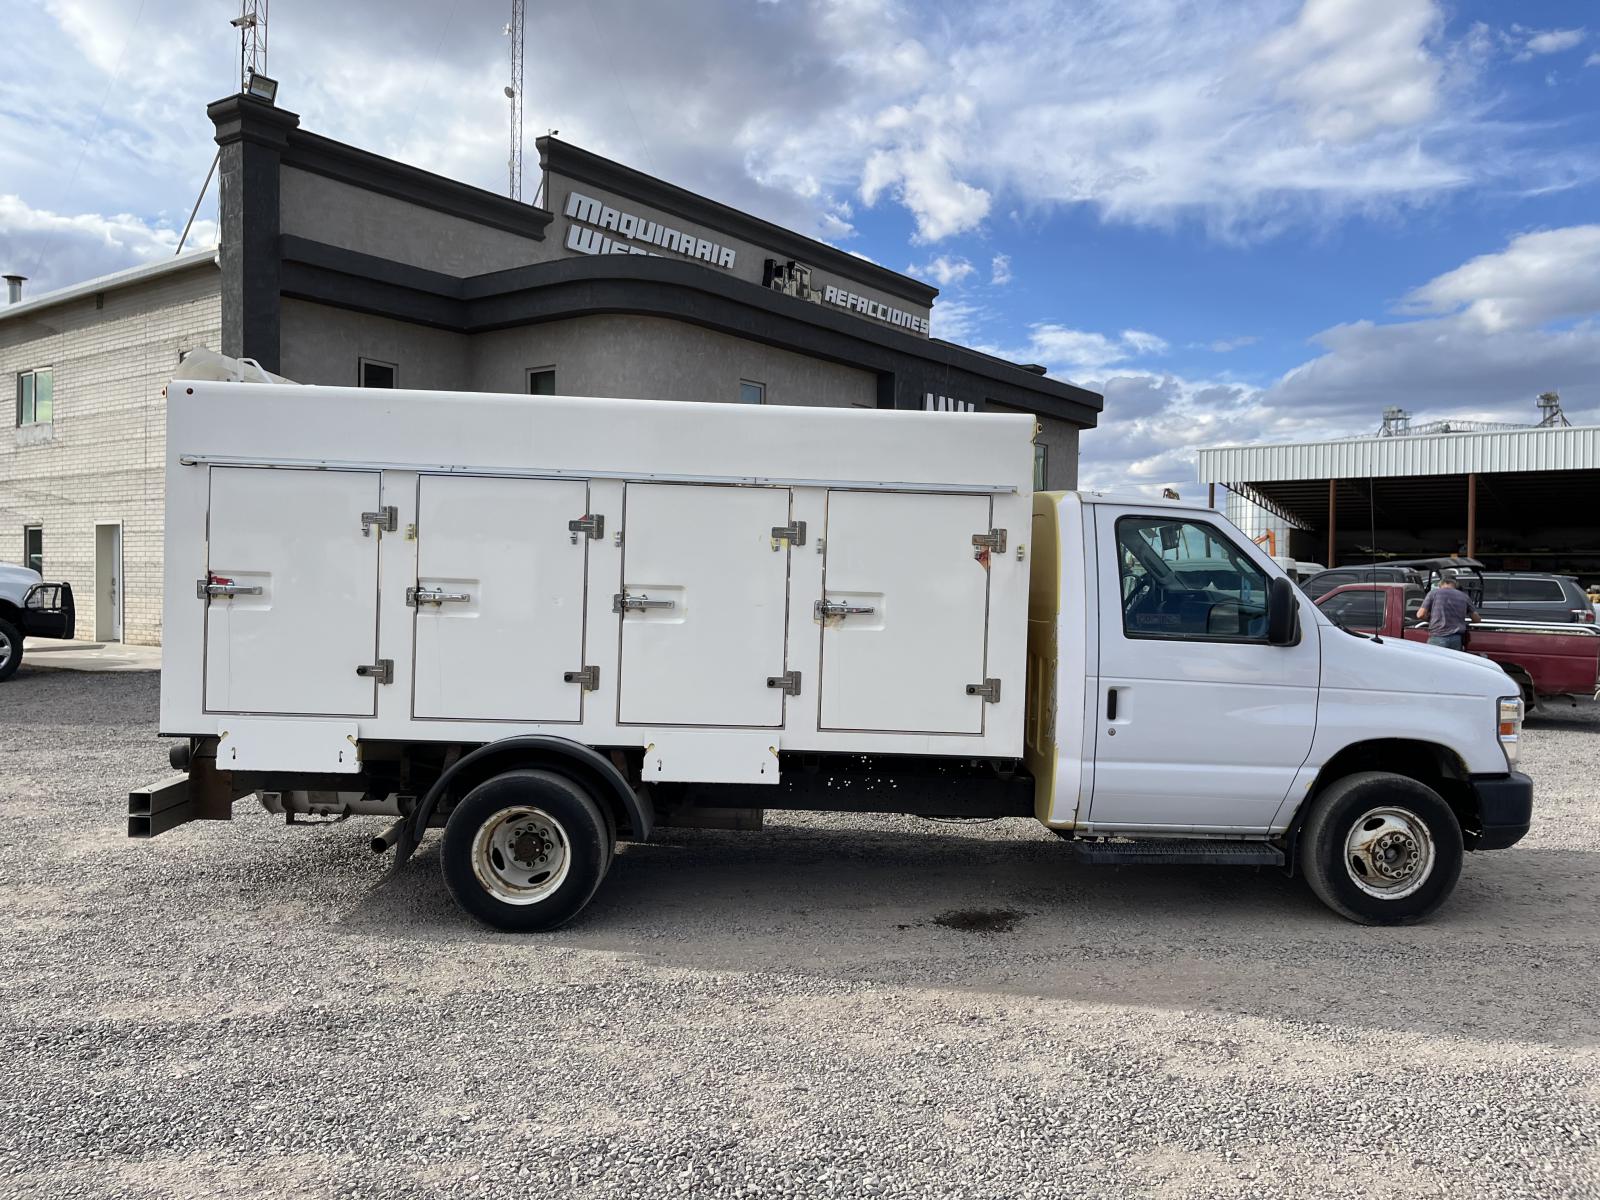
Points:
[(1472, 515), (1333, 518)]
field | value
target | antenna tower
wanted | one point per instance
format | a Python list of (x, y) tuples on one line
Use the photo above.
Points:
[(514, 31), (252, 27)]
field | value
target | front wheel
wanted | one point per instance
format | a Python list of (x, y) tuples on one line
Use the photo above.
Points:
[(10, 649), (526, 850), (1381, 849)]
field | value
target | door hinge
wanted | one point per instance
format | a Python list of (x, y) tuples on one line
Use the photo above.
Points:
[(381, 671), (593, 524), (994, 541), (794, 533), (989, 689), (589, 677), (788, 683), (386, 518)]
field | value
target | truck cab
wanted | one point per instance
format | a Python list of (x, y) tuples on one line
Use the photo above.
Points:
[(1192, 702), (30, 607)]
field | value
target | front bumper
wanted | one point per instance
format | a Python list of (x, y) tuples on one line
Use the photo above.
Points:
[(1505, 809)]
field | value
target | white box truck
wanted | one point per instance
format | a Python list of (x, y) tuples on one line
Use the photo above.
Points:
[(544, 624)]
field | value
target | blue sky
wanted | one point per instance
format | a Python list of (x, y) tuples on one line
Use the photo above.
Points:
[(1258, 220)]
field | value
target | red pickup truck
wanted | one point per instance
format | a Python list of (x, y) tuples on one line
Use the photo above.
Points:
[(1544, 659)]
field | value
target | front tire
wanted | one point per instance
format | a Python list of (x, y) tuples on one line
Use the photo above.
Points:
[(10, 649), (1381, 849), (525, 851)]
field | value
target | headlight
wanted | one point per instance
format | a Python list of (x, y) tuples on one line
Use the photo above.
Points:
[(1511, 728)]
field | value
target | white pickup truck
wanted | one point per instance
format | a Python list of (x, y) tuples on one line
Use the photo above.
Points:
[(547, 624), (30, 607)]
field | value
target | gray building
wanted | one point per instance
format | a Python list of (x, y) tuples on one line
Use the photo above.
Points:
[(342, 267)]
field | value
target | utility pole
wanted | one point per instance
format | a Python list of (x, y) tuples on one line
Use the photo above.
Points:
[(515, 31)]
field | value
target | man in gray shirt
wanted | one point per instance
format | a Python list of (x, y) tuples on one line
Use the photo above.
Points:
[(1447, 611)]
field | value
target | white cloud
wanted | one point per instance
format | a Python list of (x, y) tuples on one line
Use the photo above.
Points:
[(956, 320), (1072, 352), (1480, 341), (1227, 345), (943, 270), (1250, 118), (1356, 67), (1000, 270), (1592, 61), (56, 249), (1538, 277), (1549, 41)]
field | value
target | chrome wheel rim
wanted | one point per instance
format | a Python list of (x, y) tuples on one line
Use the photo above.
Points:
[(521, 855), (5, 649), (1389, 853)]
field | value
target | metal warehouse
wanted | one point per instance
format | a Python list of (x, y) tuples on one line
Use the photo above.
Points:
[(1516, 498), (337, 266)]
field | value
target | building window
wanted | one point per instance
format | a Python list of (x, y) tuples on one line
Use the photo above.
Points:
[(541, 381), (751, 392), (33, 547), (36, 396), (377, 374), (1041, 457)]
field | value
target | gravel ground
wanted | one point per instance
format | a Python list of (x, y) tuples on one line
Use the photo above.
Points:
[(246, 1009)]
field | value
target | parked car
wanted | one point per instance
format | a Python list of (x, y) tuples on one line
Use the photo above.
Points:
[(1515, 596), (1324, 582), (30, 607), (1544, 662)]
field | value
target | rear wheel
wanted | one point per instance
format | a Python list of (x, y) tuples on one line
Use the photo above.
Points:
[(1381, 849), (526, 850), (10, 649)]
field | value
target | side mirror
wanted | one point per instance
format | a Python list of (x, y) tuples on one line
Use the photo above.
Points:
[(1283, 613)]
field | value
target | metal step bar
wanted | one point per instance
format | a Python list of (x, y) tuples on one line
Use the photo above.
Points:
[(1176, 851)]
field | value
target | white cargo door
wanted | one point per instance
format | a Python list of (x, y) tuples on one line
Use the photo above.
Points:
[(499, 613), (705, 594), (905, 628), (292, 646)]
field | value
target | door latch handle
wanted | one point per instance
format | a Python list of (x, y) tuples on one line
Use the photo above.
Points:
[(207, 590), (416, 597), (1111, 704), (831, 608), (622, 602)]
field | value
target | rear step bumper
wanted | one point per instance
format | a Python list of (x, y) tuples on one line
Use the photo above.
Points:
[(203, 793), (1177, 851), (159, 807)]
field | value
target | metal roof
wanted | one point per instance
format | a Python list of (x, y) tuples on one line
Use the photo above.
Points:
[(1566, 448), (106, 283)]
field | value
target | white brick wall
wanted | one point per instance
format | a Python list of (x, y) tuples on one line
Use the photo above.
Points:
[(103, 459)]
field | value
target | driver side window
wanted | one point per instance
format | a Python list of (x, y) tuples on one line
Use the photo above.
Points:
[(1185, 579)]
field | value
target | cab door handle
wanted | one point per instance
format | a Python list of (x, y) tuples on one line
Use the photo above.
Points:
[(1111, 704)]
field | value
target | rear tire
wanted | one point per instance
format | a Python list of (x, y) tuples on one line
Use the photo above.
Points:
[(525, 851), (1381, 849), (10, 649)]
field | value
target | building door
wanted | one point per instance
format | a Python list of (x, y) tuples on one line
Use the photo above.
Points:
[(292, 577), (499, 598), (703, 605), (905, 622), (108, 582), (1201, 723)]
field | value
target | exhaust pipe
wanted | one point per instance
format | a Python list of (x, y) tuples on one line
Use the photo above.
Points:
[(389, 837)]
